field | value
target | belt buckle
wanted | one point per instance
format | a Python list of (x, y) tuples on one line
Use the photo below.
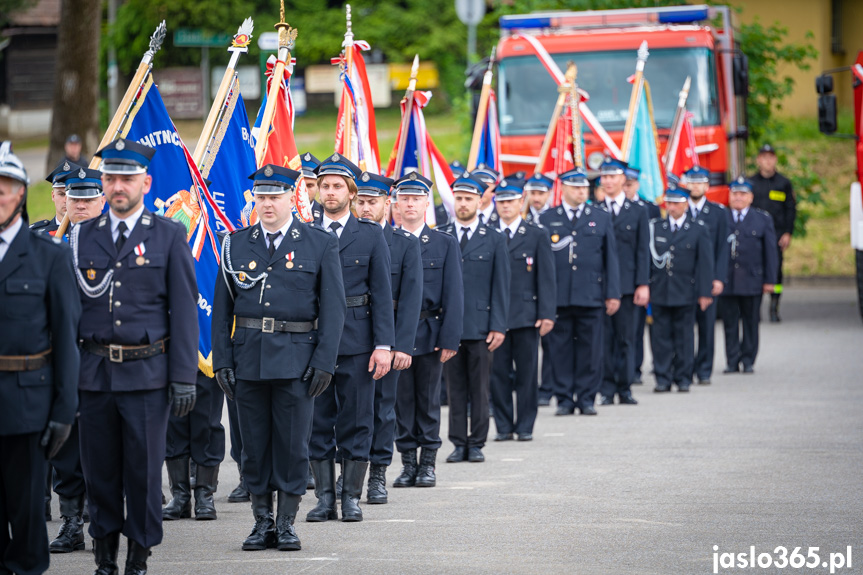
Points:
[(115, 353), (268, 325)]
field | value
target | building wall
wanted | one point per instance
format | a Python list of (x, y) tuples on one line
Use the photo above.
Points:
[(801, 17)]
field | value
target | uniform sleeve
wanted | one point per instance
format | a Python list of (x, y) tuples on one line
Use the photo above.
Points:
[(642, 251), (222, 322), (332, 308), (790, 208), (452, 298), (500, 286), (381, 289), (705, 266), (770, 256), (410, 298), (612, 266), (183, 305), (720, 248), (64, 311), (546, 291)]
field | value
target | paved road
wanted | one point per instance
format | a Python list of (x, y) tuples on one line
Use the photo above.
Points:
[(765, 460)]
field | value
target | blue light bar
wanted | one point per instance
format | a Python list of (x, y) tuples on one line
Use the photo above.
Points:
[(512, 22), (683, 16), (606, 18)]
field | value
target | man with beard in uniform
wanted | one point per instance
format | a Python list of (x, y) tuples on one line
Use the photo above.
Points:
[(753, 269), (139, 352), (681, 277), (697, 180), (437, 337), (407, 284), (485, 272), (58, 196), (38, 369), (630, 232), (344, 414), (278, 313), (588, 286), (531, 315)]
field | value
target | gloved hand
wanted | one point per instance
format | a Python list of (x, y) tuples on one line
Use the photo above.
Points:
[(54, 437), (227, 381), (182, 397), (320, 380)]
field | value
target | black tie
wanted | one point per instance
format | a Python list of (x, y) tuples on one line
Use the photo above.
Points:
[(481, 218), (464, 238), (737, 218), (271, 238), (674, 227), (334, 227), (508, 233), (121, 236)]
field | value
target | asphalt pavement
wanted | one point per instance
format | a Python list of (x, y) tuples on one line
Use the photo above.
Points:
[(665, 487)]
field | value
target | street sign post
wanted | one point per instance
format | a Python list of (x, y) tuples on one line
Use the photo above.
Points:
[(203, 39), (470, 12)]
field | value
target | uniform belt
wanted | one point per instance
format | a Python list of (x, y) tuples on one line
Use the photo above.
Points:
[(121, 353), (427, 313), (270, 325), (25, 362), (357, 300)]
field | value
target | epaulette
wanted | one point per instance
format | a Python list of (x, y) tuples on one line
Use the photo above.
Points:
[(47, 238), (367, 221), (445, 229), (700, 222), (657, 220), (316, 226), (39, 224), (762, 212)]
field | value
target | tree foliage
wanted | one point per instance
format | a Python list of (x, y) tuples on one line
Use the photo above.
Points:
[(7, 7)]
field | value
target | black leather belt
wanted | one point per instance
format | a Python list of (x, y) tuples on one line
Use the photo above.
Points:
[(427, 313), (270, 325), (120, 353), (358, 300), (25, 362)]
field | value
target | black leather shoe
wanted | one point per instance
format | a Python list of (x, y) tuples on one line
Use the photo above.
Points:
[(180, 505), (205, 486), (286, 537), (683, 388), (240, 493), (587, 410), (543, 401), (325, 491), (474, 455), (425, 474), (458, 454), (263, 535), (606, 400), (626, 398), (637, 380), (106, 551), (408, 476), (662, 389), (353, 477), (376, 492), (71, 535), (136, 559), (525, 437), (731, 369), (564, 411), (748, 369), (705, 381), (503, 437)]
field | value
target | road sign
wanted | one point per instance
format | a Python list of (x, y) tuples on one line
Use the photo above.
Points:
[(470, 12), (201, 38), (268, 41)]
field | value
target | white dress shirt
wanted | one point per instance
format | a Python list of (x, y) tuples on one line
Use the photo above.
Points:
[(616, 203), (512, 227), (284, 229), (572, 212), (678, 223), (471, 228), (130, 220), (8, 236), (326, 221)]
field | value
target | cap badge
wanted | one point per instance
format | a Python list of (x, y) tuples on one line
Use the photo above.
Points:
[(366, 177), (268, 171), (307, 157), (335, 158), (413, 176), (81, 173), (67, 167), (121, 145)]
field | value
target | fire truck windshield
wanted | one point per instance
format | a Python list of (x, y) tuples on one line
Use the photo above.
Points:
[(526, 91)]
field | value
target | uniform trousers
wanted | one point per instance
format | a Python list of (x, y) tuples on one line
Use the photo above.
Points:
[(23, 537), (122, 451), (706, 322), (576, 352), (418, 403), (673, 344), (344, 412), (514, 370), (275, 419), (200, 435), (619, 349), (68, 477), (640, 324), (546, 382), (234, 431), (467, 382), (736, 311), (385, 419)]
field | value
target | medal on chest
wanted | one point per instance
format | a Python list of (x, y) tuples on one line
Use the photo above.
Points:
[(290, 257), (529, 262), (139, 251)]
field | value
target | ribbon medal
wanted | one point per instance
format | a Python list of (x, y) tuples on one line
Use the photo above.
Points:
[(139, 250), (290, 257), (529, 262)]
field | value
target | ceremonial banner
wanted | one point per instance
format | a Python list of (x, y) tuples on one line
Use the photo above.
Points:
[(685, 156), (644, 151), (360, 145), (489, 144), (178, 192)]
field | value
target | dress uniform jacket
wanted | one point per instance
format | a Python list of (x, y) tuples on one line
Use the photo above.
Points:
[(631, 236), (533, 289), (407, 283), (750, 253), (311, 289), (585, 256), (485, 271), (442, 291), (147, 301), (714, 218), (45, 226), (688, 273)]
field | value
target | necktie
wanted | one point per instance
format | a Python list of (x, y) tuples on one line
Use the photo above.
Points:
[(121, 235), (481, 218), (573, 214), (736, 217), (2, 251), (464, 238), (508, 233), (674, 227), (334, 227), (271, 238)]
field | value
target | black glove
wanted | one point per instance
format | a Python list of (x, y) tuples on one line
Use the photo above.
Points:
[(54, 437), (182, 396), (227, 381), (320, 380)]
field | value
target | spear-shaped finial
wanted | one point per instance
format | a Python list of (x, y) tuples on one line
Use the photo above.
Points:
[(156, 41), (348, 18), (642, 56), (415, 70), (243, 37)]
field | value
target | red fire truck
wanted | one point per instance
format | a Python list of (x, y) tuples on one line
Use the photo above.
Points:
[(827, 123), (695, 41)]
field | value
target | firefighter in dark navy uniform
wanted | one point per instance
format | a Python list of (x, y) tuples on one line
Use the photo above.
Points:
[(753, 269), (437, 338), (681, 277), (277, 318), (489, 178), (407, 283), (58, 196), (38, 369), (588, 287), (310, 174), (532, 306), (139, 352), (344, 414)]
